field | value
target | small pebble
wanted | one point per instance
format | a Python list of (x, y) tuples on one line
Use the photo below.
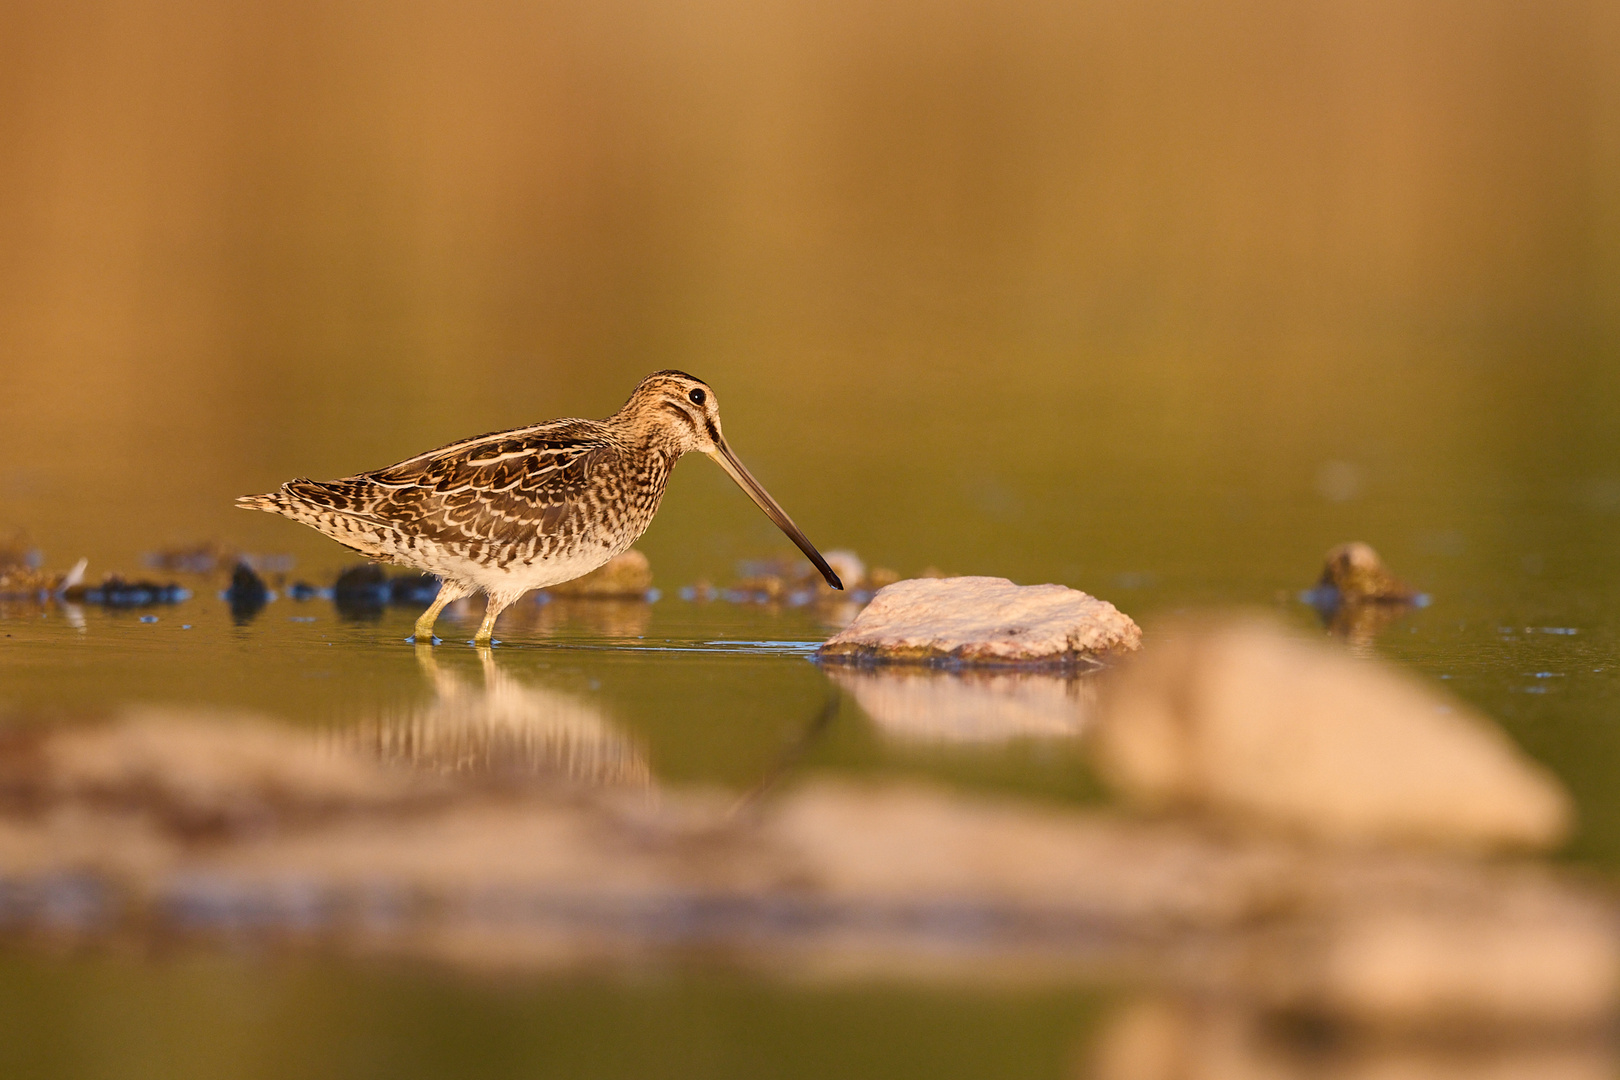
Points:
[(149, 618)]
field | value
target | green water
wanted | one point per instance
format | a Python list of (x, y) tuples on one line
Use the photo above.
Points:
[(190, 1018)]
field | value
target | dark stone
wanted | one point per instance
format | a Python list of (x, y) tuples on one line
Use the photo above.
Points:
[(413, 589), (361, 592), (303, 590), (247, 593), (115, 592)]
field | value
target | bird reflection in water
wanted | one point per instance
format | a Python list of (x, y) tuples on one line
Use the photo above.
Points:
[(501, 727), (969, 707)]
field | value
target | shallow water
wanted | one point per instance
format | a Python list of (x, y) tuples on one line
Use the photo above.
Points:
[(708, 694), (189, 1017), (721, 694)]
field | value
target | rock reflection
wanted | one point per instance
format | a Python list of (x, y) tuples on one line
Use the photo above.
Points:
[(1360, 624), (970, 707), (1166, 1039), (500, 726)]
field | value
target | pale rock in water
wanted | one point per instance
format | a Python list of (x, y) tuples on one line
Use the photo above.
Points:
[(983, 620), (848, 566), (1242, 718)]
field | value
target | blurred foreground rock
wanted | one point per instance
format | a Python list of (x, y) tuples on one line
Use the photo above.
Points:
[(1245, 720), (156, 825), (983, 620)]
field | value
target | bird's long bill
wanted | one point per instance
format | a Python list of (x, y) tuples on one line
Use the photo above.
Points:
[(762, 498)]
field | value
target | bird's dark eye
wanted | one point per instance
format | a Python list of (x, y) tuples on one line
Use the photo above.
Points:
[(698, 397)]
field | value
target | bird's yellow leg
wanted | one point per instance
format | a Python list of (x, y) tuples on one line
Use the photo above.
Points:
[(486, 629), (448, 594)]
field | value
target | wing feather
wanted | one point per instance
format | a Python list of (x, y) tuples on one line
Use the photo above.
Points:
[(506, 486)]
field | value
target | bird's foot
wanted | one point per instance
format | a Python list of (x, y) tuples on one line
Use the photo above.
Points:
[(418, 639)]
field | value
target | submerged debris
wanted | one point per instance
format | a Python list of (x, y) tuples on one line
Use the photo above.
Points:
[(1239, 718), (983, 620)]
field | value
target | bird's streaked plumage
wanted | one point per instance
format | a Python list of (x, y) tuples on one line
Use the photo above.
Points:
[(523, 509)]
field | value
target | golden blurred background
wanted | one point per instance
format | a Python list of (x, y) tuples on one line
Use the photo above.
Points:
[(1055, 290), (1159, 299)]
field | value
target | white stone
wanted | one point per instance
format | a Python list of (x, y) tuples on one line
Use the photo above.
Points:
[(1242, 718), (983, 620), (848, 566)]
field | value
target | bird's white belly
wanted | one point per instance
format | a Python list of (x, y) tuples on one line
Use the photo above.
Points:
[(513, 578), (539, 574)]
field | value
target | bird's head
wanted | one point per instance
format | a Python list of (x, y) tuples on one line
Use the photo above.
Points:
[(677, 410), (681, 413)]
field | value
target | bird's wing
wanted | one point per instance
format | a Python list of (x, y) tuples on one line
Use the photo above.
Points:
[(505, 486)]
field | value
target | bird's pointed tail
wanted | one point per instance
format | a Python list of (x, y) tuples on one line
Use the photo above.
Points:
[(275, 502)]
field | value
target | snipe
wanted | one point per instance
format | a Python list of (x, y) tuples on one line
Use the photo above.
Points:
[(535, 506)]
